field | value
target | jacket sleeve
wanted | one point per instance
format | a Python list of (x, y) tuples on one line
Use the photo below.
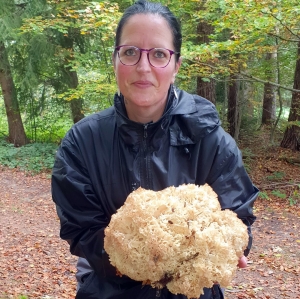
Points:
[(231, 182), (80, 211)]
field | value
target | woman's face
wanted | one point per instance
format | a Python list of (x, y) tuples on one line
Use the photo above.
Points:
[(142, 85)]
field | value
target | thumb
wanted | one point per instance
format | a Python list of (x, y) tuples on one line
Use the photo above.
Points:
[(242, 262)]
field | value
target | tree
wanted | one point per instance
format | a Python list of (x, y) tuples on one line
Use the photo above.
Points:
[(10, 16), (63, 56), (81, 34), (233, 114), (70, 76), (206, 87), (16, 132), (291, 138), (269, 100)]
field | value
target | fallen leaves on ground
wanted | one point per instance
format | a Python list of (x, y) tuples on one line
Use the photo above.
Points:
[(274, 262), (35, 262), (273, 271)]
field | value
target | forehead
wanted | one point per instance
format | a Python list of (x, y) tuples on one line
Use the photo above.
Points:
[(150, 29)]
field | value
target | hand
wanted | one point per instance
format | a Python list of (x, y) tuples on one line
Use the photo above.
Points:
[(242, 262)]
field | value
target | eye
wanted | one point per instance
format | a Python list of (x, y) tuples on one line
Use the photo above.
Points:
[(130, 51), (160, 53)]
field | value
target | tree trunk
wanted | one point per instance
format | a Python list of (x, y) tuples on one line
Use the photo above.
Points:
[(76, 104), (72, 77), (291, 138), (233, 114), (269, 101), (76, 109), (16, 132), (206, 89)]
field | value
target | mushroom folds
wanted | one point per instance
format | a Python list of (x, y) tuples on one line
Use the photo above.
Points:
[(178, 237)]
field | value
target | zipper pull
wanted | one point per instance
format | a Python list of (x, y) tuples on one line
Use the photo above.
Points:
[(133, 186), (145, 131), (158, 291)]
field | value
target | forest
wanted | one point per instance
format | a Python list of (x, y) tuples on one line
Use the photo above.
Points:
[(56, 68), (55, 64)]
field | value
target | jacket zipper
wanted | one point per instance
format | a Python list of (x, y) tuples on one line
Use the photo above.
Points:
[(145, 132), (145, 164)]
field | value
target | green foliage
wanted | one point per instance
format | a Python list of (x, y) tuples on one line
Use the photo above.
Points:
[(243, 32), (44, 122), (3, 119), (294, 197), (293, 201), (48, 123), (80, 37), (94, 89), (247, 158), (48, 128), (46, 40), (279, 194), (33, 158), (276, 176), (264, 195)]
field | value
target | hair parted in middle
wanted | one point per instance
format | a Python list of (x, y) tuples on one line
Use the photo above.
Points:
[(155, 8)]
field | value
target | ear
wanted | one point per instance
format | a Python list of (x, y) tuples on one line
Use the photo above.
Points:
[(177, 66)]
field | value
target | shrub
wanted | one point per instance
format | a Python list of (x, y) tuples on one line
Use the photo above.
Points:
[(33, 158)]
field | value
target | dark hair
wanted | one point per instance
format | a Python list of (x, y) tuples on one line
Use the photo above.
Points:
[(145, 7)]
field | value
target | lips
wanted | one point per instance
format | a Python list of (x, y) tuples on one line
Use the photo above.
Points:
[(142, 84)]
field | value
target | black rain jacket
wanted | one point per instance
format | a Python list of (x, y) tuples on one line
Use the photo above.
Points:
[(106, 156)]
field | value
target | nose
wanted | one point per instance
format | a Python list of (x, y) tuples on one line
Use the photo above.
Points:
[(144, 64)]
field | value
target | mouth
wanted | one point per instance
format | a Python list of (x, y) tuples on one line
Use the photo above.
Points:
[(142, 84)]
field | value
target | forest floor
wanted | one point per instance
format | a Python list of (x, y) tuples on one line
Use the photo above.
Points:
[(36, 263)]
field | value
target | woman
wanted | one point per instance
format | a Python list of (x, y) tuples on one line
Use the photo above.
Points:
[(154, 136)]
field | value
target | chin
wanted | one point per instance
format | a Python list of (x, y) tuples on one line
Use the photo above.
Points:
[(141, 99)]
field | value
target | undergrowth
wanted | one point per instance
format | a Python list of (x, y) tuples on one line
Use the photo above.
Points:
[(32, 158)]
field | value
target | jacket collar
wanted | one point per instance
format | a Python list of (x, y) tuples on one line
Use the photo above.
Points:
[(191, 123), (133, 133)]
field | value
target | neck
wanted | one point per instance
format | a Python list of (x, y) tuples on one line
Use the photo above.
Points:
[(146, 114)]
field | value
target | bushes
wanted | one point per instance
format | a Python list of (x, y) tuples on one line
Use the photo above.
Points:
[(32, 158)]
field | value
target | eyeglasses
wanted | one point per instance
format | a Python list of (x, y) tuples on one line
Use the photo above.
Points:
[(157, 57)]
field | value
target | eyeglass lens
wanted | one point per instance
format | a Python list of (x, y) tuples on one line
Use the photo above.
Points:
[(158, 57)]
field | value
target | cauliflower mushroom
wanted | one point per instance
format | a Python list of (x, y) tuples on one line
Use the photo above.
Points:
[(178, 237)]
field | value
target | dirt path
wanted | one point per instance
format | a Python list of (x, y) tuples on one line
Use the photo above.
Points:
[(274, 262), (36, 263)]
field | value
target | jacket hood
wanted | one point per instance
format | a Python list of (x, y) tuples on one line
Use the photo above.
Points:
[(188, 118), (196, 117)]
